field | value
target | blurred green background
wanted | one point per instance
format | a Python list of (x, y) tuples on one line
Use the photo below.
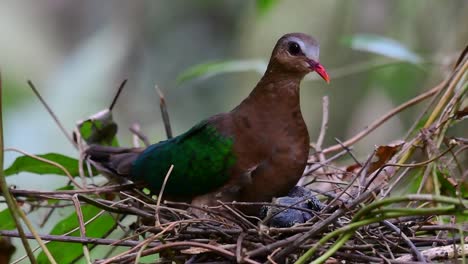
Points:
[(77, 53)]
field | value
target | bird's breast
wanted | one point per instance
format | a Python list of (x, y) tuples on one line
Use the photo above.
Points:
[(261, 135)]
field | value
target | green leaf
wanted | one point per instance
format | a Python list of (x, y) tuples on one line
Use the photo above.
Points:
[(263, 6), (28, 164), (461, 218), (6, 220), (210, 69), (99, 129), (97, 229), (446, 187), (409, 184), (381, 45), (65, 188)]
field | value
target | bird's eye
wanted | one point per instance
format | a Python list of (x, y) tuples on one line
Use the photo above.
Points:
[(294, 48)]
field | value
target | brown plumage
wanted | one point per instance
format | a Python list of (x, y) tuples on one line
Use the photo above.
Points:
[(270, 142)]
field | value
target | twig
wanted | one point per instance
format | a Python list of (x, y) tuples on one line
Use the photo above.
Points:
[(442, 253), (239, 256), (47, 217), (351, 182), (54, 116), (97, 190), (237, 215), (297, 242), (315, 167), (11, 202), (164, 112), (394, 183), (151, 239), (412, 165), (82, 157), (451, 82), (413, 248), (386, 243), (161, 192), (348, 151), (74, 239), (457, 76), (110, 208), (138, 247), (271, 204), (79, 214), (159, 248), (425, 177), (384, 118), (135, 129), (114, 248), (53, 163), (324, 126), (114, 101), (360, 258), (37, 237), (451, 227), (321, 137), (270, 257), (46, 237), (422, 114)]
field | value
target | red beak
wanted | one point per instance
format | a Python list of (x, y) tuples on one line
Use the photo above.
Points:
[(322, 72)]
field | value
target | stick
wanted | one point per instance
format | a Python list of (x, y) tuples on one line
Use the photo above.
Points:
[(79, 214), (321, 137), (53, 163), (161, 192), (122, 85), (11, 202), (414, 250), (74, 239), (37, 237), (445, 252), (384, 118), (164, 113), (47, 107), (159, 248), (324, 126), (135, 129)]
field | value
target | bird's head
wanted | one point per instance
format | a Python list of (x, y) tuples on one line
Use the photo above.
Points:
[(298, 53)]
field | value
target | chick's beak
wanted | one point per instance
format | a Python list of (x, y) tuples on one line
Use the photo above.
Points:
[(322, 72)]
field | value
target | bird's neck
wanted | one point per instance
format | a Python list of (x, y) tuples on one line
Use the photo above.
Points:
[(276, 89)]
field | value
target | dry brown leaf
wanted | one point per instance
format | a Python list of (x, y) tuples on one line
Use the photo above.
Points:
[(384, 154), (461, 113)]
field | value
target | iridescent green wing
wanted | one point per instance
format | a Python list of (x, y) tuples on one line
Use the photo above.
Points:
[(201, 157)]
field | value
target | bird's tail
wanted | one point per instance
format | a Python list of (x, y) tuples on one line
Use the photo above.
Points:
[(113, 162)]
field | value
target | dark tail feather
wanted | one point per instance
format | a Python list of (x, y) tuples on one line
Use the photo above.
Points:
[(113, 161)]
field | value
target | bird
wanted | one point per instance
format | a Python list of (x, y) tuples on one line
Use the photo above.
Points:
[(253, 153), (298, 197)]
